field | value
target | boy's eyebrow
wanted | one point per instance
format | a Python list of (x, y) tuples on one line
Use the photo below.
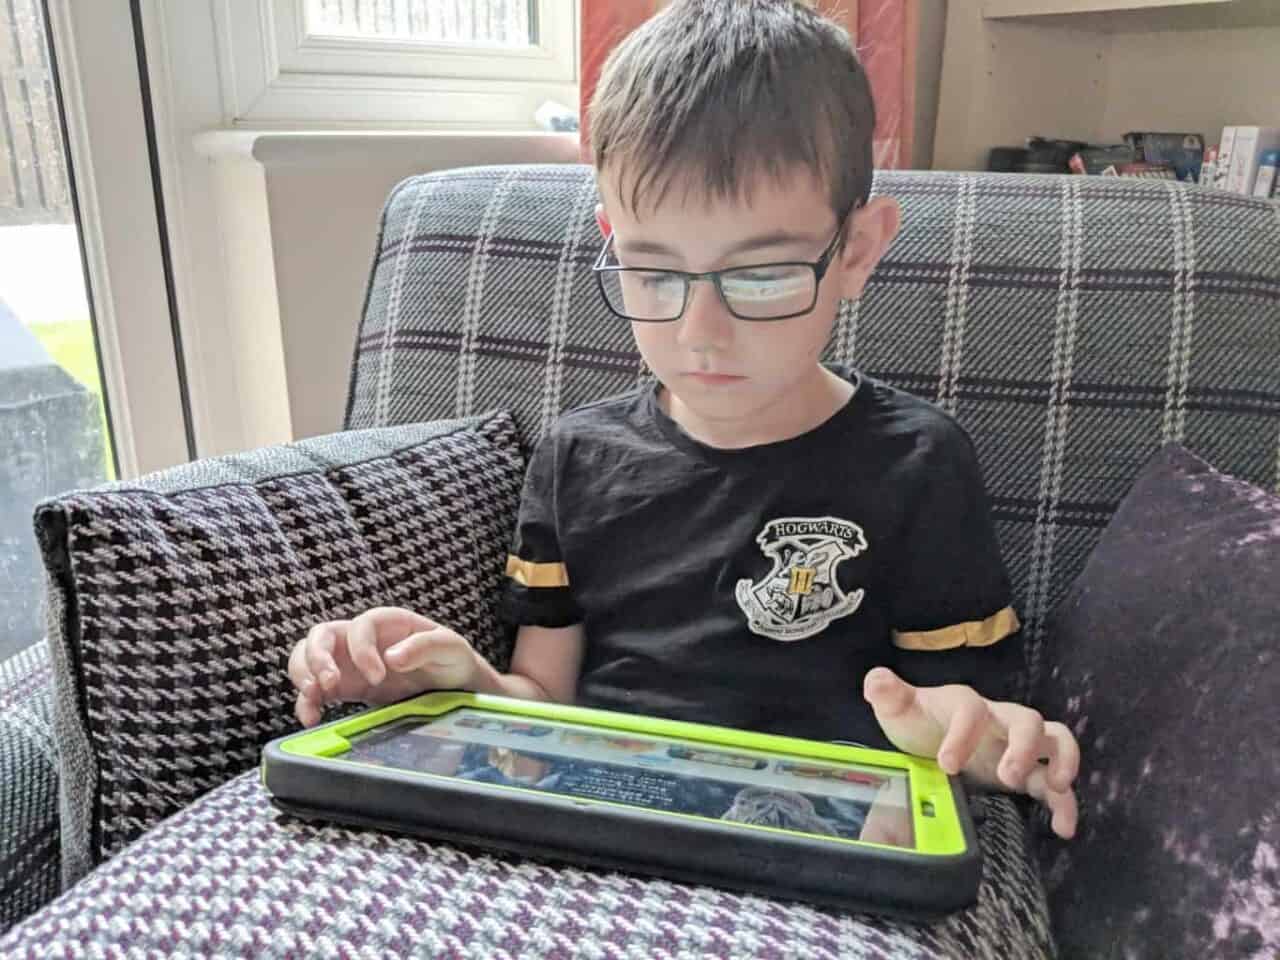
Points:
[(774, 238)]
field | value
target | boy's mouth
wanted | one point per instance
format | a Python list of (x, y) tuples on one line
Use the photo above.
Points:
[(713, 379)]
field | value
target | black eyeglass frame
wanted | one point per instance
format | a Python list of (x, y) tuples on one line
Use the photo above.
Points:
[(819, 268)]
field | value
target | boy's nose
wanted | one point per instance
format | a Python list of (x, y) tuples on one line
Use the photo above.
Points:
[(706, 323)]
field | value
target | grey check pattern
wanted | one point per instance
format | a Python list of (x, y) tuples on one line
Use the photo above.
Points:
[(28, 786), (228, 876), (183, 601)]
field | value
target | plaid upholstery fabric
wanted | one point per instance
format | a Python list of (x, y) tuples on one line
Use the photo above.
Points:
[(28, 786), (230, 877), (180, 598), (1072, 324)]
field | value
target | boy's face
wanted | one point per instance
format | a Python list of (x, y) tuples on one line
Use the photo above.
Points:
[(729, 373)]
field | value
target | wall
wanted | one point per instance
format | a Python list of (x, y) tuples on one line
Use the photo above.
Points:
[(1236, 80), (931, 37), (299, 215)]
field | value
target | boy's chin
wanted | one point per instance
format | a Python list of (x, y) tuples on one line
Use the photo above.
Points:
[(716, 404)]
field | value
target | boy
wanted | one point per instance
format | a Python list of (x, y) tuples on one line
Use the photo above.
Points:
[(748, 540)]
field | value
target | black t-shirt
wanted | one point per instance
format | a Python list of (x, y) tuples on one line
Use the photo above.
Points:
[(755, 587)]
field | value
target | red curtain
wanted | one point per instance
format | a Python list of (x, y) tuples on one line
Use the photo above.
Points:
[(886, 38), (885, 32), (604, 23)]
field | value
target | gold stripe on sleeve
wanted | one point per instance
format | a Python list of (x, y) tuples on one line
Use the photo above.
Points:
[(974, 633), (529, 574)]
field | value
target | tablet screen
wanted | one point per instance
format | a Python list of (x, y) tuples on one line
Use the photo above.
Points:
[(740, 786)]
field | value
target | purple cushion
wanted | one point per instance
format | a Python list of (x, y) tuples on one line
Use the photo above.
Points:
[(1167, 653), (229, 876)]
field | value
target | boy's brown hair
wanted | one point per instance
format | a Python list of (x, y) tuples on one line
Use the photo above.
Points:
[(714, 93)]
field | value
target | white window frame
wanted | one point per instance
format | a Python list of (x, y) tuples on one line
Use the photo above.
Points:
[(276, 73), (107, 146)]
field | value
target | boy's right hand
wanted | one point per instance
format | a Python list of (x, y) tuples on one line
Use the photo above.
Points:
[(383, 655)]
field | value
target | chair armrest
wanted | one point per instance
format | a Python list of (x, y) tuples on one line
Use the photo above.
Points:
[(29, 858)]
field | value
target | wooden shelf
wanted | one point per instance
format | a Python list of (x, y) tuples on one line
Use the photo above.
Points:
[(1006, 9), (1129, 16)]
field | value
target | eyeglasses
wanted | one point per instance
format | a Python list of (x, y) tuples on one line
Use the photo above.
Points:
[(760, 291)]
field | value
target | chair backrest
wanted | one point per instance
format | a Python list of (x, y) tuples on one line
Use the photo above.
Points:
[(1072, 324)]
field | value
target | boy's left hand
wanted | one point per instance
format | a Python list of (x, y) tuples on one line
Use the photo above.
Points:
[(999, 744)]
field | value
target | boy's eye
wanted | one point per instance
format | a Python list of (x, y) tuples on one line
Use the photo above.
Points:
[(659, 281), (769, 282), (757, 276)]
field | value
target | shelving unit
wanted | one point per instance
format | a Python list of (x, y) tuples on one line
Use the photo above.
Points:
[(1002, 9), (1095, 69)]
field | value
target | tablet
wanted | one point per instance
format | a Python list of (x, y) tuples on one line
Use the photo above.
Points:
[(835, 825)]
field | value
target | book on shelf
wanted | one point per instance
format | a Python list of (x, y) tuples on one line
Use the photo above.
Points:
[(1139, 168), (1209, 169), (1249, 145), (1184, 152), (1264, 184), (1099, 159)]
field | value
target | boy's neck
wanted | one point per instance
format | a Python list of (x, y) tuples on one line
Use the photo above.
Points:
[(809, 404)]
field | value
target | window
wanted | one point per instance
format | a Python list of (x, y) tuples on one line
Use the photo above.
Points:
[(53, 432), (89, 386), (495, 22), (425, 64)]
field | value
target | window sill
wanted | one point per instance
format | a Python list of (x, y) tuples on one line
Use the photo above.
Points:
[(300, 147)]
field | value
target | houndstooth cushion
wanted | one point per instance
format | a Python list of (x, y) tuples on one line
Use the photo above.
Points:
[(230, 877), (28, 785), (1073, 324), (176, 601)]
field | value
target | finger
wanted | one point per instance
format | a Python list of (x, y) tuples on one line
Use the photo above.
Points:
[(321, 643), (307, 712), (1058, 747), (299, 674), (1064, 759), (965, 730), (1024, 731), (312, 698), (1062, 804), (362, 647), (889, 826)]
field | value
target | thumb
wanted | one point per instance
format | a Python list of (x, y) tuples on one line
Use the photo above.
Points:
[(438, 646), (901, 715), (889, 695), (443, 658)]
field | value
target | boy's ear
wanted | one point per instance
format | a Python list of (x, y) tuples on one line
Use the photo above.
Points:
[(602, 221), (871, 231)]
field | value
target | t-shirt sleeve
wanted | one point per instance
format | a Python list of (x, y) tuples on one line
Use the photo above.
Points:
[(950, 599), (536, 589)]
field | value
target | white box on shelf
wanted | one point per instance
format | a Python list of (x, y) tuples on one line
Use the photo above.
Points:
[(1246, 155), (1225, 149)]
